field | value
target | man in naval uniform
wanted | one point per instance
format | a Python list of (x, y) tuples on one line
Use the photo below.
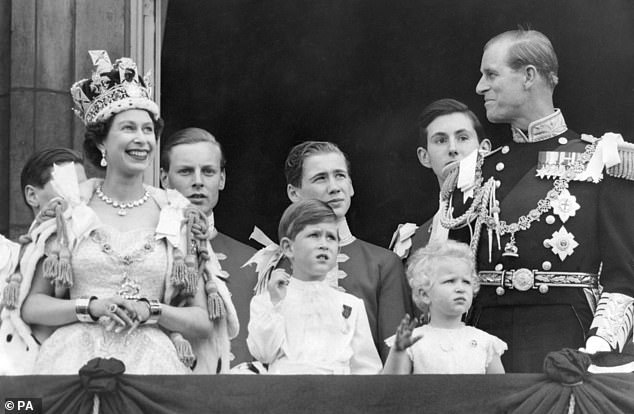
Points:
[(551, 216), (192, 162), (320, 170)]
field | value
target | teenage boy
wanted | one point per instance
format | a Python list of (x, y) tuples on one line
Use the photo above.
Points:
[(448, 132), (192, 162)]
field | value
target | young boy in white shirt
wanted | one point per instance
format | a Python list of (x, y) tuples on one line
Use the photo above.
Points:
[(301, 324)]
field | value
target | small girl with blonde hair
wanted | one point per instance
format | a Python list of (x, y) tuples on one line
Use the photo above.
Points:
[(444, 281)]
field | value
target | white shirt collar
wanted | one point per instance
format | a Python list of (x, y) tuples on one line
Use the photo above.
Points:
[(212, 225), (345, 235)]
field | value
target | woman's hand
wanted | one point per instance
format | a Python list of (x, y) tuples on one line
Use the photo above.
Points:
[(404, 338), (113, 312)]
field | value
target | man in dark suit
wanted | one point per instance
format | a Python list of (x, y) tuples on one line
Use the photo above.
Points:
[(193, 163)]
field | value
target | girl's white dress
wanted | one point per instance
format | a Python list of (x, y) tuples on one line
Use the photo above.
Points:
[(315, 329), (98, 271), (466, 350)]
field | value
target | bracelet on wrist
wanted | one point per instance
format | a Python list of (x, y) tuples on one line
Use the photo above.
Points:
[(82, 309), (155, 311)]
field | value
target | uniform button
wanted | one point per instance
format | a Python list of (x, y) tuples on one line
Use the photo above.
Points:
[(547, 265), (563, 140), (499, 267), (547, 243), (505, 149), (550, 219), (543, 289), (498, 183), (499, 290), (499, 166)]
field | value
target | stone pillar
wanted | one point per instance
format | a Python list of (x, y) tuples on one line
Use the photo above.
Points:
[(5, 85), (49, 43)]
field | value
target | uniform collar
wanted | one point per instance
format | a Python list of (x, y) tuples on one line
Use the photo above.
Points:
[(345, 235), (542, 129), (212, 226)]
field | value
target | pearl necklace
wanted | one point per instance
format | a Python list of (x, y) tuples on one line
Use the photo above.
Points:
[(119, 205)]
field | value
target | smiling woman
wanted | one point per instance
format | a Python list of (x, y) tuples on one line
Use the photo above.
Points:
[(127, 257)]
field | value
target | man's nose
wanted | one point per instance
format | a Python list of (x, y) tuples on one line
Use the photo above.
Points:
[(333, 185), (452, 149), (198, 178), (482, 86)]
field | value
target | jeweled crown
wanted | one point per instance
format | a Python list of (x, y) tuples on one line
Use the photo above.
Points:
[(112, 89)]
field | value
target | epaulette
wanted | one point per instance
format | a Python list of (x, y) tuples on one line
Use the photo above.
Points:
[(624, 169)]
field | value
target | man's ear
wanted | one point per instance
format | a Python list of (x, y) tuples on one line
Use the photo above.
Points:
[(31, 196), (485, 146), (287, 247), (293, 193), (530, 76), (223, 180), (165, 180), (423, 157)]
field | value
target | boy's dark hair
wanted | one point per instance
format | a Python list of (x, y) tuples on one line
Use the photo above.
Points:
[(304, 213), (442, 107), (294, 165), (188, 136), (38, 168)]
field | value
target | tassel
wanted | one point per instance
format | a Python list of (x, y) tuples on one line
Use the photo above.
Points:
[(179, 269), (183, 349), (191, 278), (51, 266), (11, 292), (64, 268), (215, 304)]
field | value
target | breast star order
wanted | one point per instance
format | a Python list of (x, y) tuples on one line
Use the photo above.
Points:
[(562, 243), (565, 206)]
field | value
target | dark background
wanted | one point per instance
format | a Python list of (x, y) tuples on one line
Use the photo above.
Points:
[(264, 75)]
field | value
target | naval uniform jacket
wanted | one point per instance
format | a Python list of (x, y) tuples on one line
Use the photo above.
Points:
[(531, 322)]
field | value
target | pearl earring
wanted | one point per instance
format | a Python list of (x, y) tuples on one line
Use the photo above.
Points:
[(103, 162)]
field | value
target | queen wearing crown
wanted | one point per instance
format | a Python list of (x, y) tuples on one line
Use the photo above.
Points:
[(115, 268)]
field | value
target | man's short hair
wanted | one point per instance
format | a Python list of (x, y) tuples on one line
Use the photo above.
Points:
[(304, 213), (445, 107), (294, 165), (38, 168), (530, 47), (188, 136)]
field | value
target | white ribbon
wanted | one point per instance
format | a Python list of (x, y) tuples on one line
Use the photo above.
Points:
[(467, 175), (605, 155)]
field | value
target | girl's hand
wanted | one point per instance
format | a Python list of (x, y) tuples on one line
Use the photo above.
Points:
[(404, 338), (277, 285)]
